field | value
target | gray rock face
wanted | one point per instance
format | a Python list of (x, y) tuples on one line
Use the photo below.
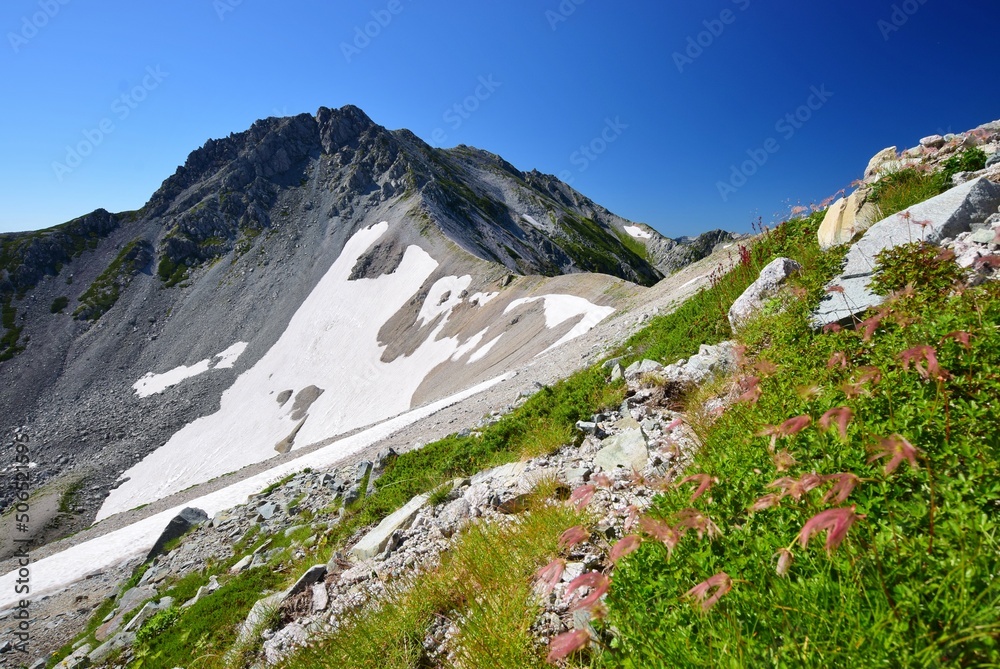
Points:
[(993, 160), (711, 360), (375, 541), (946, 215), (180, 524), (627, 450), (640, 367), (767, 284)]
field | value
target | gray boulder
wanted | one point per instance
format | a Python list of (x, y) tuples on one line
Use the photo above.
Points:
[(946, 215), (627, 449), (766, 286), (178, 526), (375, 541)]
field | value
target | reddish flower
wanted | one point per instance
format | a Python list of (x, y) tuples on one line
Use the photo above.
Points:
[(626, 546), (834, 289), (843, 486), (917, 355), (704, 482), (960, 336), (675, 423), (581, 496), (808, 392), (868, 373), (766, 368), (831, 327), (841, 416), (783, 461), (851, 390), (797, 488), (573, 536), (692, 519), (550, 574), (632, 517), (717, 585), (793, 426), (835, 522), (751, 386), (870, 325), (602, 480), (897, 449), (598, 584), (566, 644), (784, 561), (838, 358), (661, 531), (766, 502)]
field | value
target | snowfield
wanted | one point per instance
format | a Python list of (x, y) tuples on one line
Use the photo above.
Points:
[(151, 383), (637, 232), (324, 376)]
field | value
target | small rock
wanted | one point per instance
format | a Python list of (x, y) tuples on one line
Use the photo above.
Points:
[(932, 142)]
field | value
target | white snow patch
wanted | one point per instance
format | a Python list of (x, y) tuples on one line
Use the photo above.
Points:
[(73, 564), (151, 383), (469, 345), (483, 351), (332, 343), (437, 304), (561, 308), (694, 280), (637, 232), (482, 298)]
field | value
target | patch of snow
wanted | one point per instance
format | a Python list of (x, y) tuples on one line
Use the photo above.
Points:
[(560, 308), (151, 383), (437, 304), (482, 298), (483, 351), (637, 232), (694, 280), (331, 342), (73, 564), (469, 345)]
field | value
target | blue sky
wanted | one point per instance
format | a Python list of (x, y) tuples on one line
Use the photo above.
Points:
[(589, 90)]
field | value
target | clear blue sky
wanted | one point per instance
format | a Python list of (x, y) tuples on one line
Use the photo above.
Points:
[(221, 64)]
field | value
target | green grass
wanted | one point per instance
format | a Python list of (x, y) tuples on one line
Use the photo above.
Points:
[(10, 342), (59, 304), (901, 190), (914, 583), (485, 580), (104, 292)]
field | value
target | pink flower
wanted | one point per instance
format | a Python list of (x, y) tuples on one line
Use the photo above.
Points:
[(871, 325), (916, 355), (793, 426), (843, 486), (766, 368), (897, 449), (692, 519), (783, 461), (868, 373), (841, 416), (602, 480), (573, 536), (831, 327), (960, 336), (566, 644), (835, 522), (626, 546), (797, 488), (717, 585), (550, 574), (661, 531), (835, 289), (752, 392), (784, 561), (838, 358), (598, 584), (766, 502), (581, 496), (704, 482)]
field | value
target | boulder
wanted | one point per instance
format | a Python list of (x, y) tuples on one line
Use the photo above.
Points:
[(375, 541), (178, 526), (640, 367), (626, 449), (932, 142), (993, 160), (845, 218), (313, 575), (946, 215), (878, 161), (767, 284)]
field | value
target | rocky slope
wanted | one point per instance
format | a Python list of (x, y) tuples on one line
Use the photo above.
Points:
[(120, 330)]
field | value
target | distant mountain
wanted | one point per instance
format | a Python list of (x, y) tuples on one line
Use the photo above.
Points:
[(296, 281)]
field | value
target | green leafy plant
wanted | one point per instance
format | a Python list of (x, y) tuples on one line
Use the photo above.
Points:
[(924, 267), (59, 304)]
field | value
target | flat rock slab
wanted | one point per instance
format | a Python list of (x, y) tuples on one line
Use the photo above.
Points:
[(943, 216), (375, 541), (627, 449)]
